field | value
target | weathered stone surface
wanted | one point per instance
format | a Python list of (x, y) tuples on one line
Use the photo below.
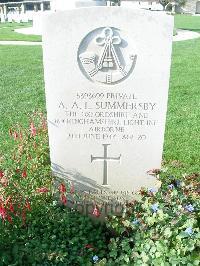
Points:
[(107, 74)]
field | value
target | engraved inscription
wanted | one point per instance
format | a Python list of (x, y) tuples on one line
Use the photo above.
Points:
[(107, 116)]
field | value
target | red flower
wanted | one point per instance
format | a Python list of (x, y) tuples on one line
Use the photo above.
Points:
[(89, 246), (4, 182), (62, 188), (17, 170), (1, 174), (11, 208), (28, 205), (63, 199), (20, 135), (10, 132), (2, 212), (44, 125), (24, 174), (15, 135), (7, 200), (42, 190), (96, 211), (23, 216), (33, 129), (9, 218), (72, 189)]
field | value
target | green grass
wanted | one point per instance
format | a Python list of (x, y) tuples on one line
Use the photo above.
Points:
[(7, 32), (22, 91), (21, 86), (182, 141), (187, 22)]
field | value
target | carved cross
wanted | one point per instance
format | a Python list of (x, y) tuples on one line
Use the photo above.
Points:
[(105, 160)]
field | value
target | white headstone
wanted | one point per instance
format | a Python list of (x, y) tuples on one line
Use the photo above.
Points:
[(24, 17), (38, 18), (9, 17), (2, 18), (17, 17), (37, 22), (130, 4), (107, 76), (30, 14), (198, 7)]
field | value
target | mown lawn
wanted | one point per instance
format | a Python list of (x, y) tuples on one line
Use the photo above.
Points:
[(21, 86), (182, 141), (187, 22), (22, 92), (7, 32)]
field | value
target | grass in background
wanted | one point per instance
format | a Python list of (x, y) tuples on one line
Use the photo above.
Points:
[(182, 141), (187, 22), (21, 86), (182, 136), (7, 32)]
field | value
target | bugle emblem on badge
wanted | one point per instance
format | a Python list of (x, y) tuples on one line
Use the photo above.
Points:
[(111, 62)]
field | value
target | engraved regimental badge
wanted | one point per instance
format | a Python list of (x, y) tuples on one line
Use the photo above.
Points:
[(106, 56)]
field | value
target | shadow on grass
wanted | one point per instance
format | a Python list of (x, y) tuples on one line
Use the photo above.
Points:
[(195, 30)]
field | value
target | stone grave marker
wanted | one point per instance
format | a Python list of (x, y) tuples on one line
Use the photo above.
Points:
[(107, 76), (24, 17), (2, 17)]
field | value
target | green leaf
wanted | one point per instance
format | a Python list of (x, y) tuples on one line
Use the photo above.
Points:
[(167, 232)]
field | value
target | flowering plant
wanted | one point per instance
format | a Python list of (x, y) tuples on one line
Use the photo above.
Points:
[(161, 227), (23, 187), (37, 229)]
